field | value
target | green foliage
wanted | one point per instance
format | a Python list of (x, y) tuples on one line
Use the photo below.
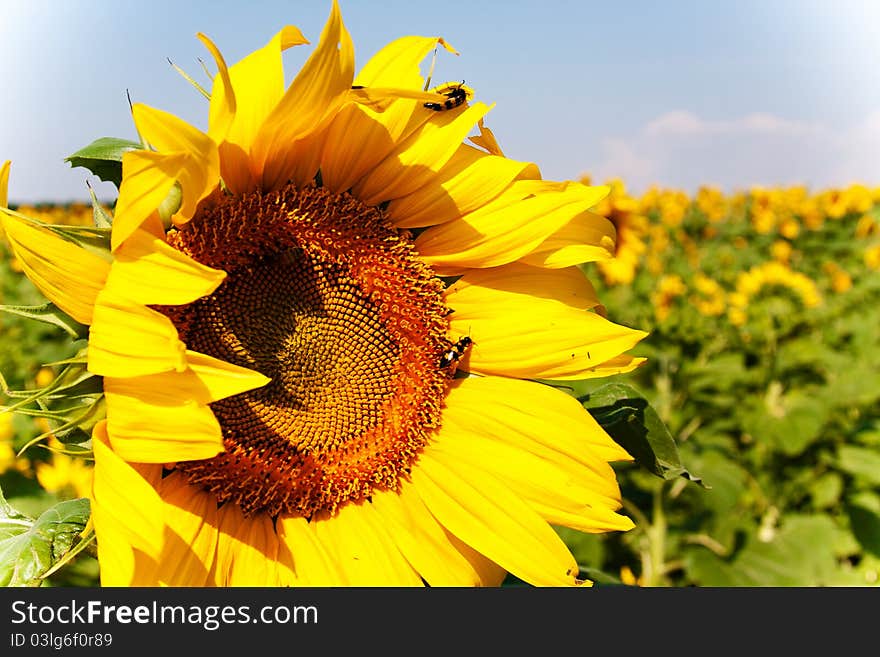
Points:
[(103, 157), (29, 548), (778, 413)]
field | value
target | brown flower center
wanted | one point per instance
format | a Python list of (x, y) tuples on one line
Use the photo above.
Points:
[(330, 301)]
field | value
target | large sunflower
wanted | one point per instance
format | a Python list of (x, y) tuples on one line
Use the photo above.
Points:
[(319, 370)]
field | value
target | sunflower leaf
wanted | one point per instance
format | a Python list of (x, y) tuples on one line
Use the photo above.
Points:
[(30, 548), (634, 424), (49, 313), (103, 157)]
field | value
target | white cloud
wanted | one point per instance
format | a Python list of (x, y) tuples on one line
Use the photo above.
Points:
[(683, 150)]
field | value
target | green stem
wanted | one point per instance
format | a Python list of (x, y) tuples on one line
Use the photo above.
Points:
[(655, 575)]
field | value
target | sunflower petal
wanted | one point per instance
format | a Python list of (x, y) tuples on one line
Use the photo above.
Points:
[(191, 521), (397, 64), (4, 183), (129, 525), (567, 286), (552, 339), (247, 549), (358, 138), (68, 275), (302, 552), (363, 549), (538, 417), (586, 237), (509, 227), (317, 92), (486, 140), (200, 172), (223, 106), (560, 490), (147, 177), (128, 339), (176, 429), (256, 84), (485, 514), (468, 181), (422, 540), (181, 427), (417, 160), (149, 271), (491, 574)]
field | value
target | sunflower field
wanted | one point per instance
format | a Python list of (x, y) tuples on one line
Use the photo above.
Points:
[(761, 387)]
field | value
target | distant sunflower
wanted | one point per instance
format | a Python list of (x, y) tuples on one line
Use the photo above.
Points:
[(294, 395)]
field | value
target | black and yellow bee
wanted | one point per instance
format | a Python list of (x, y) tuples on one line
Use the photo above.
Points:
[(456, 94), (452, 355)]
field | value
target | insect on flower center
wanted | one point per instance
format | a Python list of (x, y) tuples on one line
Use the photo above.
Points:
[(331, 302)]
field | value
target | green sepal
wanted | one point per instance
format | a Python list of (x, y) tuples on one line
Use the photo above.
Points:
[(103, 157), (100, 216), (170, 204), (189, 79), (32, 549), (49, 313), (82, 390), (93, 240), (634, 425)]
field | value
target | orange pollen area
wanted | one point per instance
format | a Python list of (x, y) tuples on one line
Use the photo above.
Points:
[(331, 302)]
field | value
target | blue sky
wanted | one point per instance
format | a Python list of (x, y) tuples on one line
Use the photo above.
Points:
[(679, 93)]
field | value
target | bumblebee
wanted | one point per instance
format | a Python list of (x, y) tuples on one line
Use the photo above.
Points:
[(455, 352), (456, 94)]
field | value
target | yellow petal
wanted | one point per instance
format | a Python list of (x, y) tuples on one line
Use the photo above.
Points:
[(534, 416), (247, 549), (485, 514), (68, 275), (200, 172), (127, 514), (468, 181), (397, 64), (163, 418), (417, 160), (562, 491), (191, 520), (128, 339), (422, 540), (486, 140), (249, 90), (586, 237), (358, 138), (149, 271), (490, 573), (304, 554), (568, 286), (509, 227), (363, 549), (315, 95), (221, 112), (531, 334), (146, 427), (215, 379), (4, 183), (147, 177), (617, 365)]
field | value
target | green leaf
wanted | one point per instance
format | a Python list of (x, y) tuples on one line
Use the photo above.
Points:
[(634, 424), (864, 519), (800, 553), (30, 548), (103, 157), (49, 313), (826, 490), (860, 462)]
